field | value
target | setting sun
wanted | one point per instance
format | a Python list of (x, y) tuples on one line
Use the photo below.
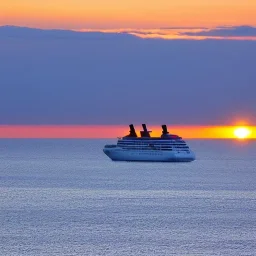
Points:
[(242, 132)]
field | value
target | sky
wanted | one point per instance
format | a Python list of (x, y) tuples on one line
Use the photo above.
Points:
[(187, 63), (79, 14)]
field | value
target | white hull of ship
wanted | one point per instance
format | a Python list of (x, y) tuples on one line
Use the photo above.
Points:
[(119, 154)]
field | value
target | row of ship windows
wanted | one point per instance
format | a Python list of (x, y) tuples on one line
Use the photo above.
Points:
[(149, 145), (151, 142), (153, 154), (152, 147), (162, 149), (148, 148)]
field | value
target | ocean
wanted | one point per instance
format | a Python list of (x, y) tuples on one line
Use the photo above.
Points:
[(65, 197)]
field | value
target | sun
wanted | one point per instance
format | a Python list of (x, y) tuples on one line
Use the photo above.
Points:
[(242, 132)]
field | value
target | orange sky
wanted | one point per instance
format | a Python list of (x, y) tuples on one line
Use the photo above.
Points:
[(76, 14), (108, 131)]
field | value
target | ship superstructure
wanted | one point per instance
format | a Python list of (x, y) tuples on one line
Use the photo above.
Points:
[(166, 148)]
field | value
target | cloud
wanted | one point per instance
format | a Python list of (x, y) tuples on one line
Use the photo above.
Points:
[(183, 28), (63, 77), (241, 31), (188, 33), (33, 33)]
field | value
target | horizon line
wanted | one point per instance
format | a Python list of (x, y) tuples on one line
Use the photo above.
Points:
[(164, 33), (114, 131)]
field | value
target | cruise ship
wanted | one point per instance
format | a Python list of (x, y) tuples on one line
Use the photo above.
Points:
[(166, 148)]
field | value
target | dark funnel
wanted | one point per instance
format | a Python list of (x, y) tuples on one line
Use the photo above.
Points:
[(145, 132), (165, 131), (132, 131)]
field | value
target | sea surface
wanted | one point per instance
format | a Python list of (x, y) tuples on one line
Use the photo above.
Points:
[(65, 197)]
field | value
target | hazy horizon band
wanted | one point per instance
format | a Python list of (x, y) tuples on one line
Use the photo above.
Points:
[(113, 131)]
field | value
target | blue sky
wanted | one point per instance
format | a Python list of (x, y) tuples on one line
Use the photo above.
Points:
[(61, 77)]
